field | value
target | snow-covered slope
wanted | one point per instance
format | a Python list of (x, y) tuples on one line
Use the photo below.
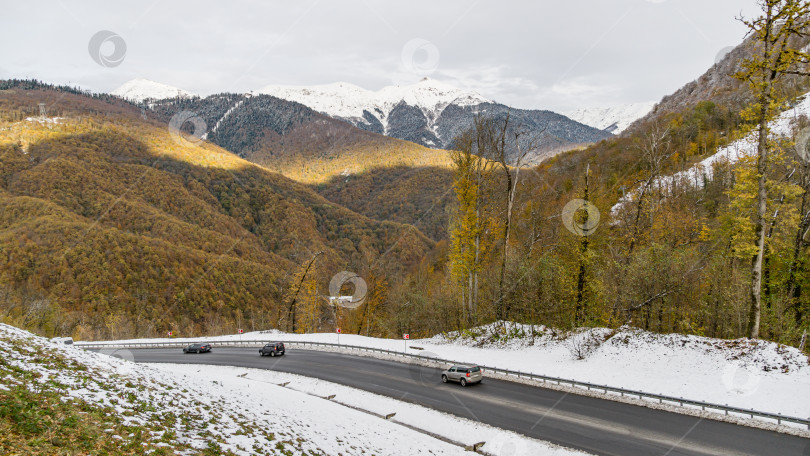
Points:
[(612, 119), (139, 89), (703, 171), (349, 101)]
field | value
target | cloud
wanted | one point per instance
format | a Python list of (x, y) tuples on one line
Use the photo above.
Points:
[(529, 54)]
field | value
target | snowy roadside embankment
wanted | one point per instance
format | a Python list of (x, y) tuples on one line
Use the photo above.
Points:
[(759, 375), (261, 386), (190, 409)]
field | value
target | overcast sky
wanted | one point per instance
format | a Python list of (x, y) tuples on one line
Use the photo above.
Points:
[(559, 55)]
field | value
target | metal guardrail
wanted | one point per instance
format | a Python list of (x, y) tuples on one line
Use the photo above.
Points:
[(778, 417)]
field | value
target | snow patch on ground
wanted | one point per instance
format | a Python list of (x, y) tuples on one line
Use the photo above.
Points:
[(45, 120)]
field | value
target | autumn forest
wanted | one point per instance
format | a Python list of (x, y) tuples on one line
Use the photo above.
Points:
[(114, 226)]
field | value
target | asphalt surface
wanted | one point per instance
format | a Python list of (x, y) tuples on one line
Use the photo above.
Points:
[(594, 425)]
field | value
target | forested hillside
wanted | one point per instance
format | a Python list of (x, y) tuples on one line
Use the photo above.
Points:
[(676, 254), (294, 140), (114, 226), (417, 195), (374, 175)]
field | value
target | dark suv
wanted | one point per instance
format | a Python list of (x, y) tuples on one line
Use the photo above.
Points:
[(197, 348), (272, 349)]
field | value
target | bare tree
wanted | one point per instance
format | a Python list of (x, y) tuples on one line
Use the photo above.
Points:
[(291, 308), (655, 148)]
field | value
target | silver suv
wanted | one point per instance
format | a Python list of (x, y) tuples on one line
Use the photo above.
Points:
[(463, 375)]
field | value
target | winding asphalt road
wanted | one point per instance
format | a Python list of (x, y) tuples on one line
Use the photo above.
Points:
[(594, 425)]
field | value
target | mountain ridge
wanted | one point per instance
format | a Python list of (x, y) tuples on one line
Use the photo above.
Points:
[(106, 212), (429, 113)]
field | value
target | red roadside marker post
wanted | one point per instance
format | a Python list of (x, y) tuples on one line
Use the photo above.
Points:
[(338, 335), (240, 335), (406, 337), (170, 334)]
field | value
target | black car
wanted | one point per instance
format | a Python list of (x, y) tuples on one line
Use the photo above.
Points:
[(272, 349), (197, 348)]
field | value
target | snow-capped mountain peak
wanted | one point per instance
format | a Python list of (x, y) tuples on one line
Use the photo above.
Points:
[(429, 112), (348, 101), (611, 119), (140, 89)]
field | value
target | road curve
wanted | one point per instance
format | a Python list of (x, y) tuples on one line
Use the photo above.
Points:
[(594, 425)]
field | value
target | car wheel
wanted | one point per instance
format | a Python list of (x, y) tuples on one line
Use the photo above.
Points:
[(444, 379), (272, 354), (463, 382)]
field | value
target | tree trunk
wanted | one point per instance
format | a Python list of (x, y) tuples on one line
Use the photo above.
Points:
[(511, 187), (754, 313), (580, 312), (794, 290), (291, 310)]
